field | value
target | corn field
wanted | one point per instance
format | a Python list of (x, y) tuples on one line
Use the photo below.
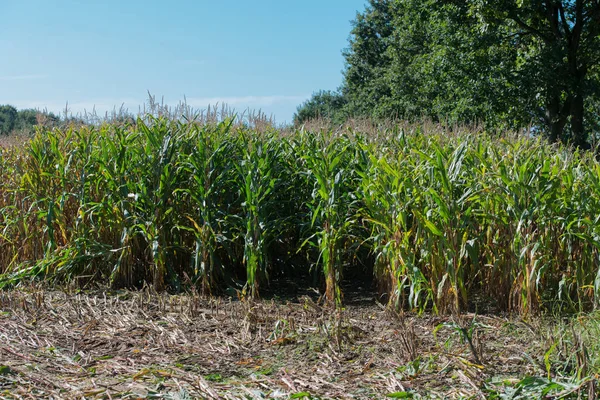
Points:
[(441, 219)]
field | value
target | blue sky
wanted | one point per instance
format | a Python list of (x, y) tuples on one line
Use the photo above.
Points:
[(262, 54)]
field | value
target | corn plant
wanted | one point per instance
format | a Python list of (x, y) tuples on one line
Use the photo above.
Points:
[(258, 175), (328, 161), (447, 217), (207, 165), (388, 193)]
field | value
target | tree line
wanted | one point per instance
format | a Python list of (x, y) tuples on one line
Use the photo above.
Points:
[(504, 64), (13, 120)]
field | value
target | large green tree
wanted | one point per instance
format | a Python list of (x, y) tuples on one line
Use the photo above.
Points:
[(414, 59), (8, 119), (439, 64), (323, 104), (559, 53), (504, 63), (24, 121)]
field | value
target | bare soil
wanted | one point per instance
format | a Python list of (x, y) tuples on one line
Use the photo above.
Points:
[(123, 344)]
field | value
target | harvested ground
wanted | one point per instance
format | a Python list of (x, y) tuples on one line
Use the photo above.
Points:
[(142, 345)]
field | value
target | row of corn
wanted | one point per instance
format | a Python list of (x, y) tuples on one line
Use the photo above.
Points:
[(442, 220)]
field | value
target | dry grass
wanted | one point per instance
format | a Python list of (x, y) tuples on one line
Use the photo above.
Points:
[(125, 344), (12, 140)]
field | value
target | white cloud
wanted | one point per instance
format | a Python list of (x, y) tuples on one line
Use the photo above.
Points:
[(101, 106), (246, 101), (22, 77), (191, 63)]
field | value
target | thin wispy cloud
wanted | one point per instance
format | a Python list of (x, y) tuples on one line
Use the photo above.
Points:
[(107, 105), (191, 63), (252, 101), (22, 77), (99, 106)]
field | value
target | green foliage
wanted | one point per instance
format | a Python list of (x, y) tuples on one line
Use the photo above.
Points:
[(207, 192), (503, 64), (26, 120), (323, 104), (559, 49), (8, 119), (368, 59), (331, 164), (439, 218), (260, 178), (23, 121)]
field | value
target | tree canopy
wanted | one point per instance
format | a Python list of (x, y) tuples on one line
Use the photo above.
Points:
[(502, 63), (323, 104), (8, 119), (12, 120)]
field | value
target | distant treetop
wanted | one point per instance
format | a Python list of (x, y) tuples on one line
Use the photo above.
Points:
[(13, 120)]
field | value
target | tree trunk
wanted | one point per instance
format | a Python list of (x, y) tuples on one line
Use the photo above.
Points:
[(557, 118), (578, 138), (578, 72)]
